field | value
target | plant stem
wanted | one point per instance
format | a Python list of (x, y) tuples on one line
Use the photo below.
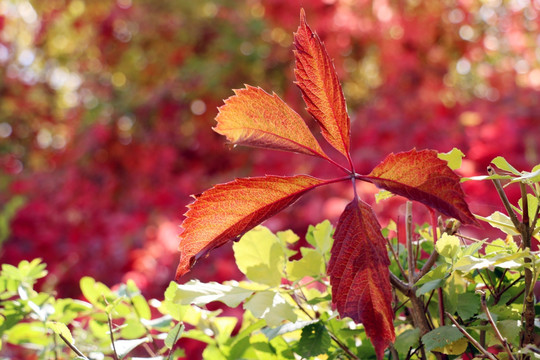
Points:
[(408, 234), (503, 340), (470, 338), (73, 347), (427, 265), (109, 320), (504, 199), (396, 258), (434, 227), (528, 300)]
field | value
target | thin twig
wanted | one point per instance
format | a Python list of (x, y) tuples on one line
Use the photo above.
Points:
[(109, 320), (404, 288), (504, 199), (73, 347), (396, 258), (470, 338), (515, 297), (408, 234), (434, 227), (503, 340), (427, 265)]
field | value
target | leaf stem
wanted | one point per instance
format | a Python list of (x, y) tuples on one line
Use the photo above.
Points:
[(504, 199), (470, 338), (109, 321), (434, 228), (73, 347), (503, 340), (408, 239), (396, 258)]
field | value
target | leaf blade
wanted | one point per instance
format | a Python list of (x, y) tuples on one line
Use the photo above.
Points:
[(359, 274), (228, 210), (321, 90), (252, 117), (423, 177)]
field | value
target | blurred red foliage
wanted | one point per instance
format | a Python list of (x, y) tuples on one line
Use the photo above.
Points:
[(107, 114)]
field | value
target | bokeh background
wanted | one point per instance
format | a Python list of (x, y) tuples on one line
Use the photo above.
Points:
[(106, 109)]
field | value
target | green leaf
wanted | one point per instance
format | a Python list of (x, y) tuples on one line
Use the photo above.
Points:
[(440, 337), (500, 221), (173, 335), (123, 347), (468, 305), (429, 286), (259, 255), (439, 273), (530, 177), (223, 327), (132, 329), (287, 237), (314, 340), (532, 205), (408, 339), (383, 195), (448, 246), (320, 236), (163, 322), (141, 306), (61, 329), (198, 293), (271, 333), (270, 306), (454, 158), (510, 329), (94, 292), (502, 164), (311, 264)]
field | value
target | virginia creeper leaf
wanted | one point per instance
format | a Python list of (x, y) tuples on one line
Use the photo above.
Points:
[(423, 177), (227, 211), (317, 78), (359, 274), (253, 117)]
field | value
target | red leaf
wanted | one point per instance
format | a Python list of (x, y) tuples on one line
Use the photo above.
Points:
[(359, 274), (255, 118), (422, 176), (321, 90), (227, 211)]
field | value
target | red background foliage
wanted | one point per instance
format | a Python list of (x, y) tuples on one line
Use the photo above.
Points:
[(107, 109)]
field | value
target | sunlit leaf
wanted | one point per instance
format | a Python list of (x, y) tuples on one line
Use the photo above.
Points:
[(440, 337), (60, 329), (255, 118), (500, 221), (423, 177), (124, 347), (502, 164), (448, 246), (311, 264), (454, 158), (198, 293), (270, 306), (321, 90), (229, 210), (359, 274), (259, 255)]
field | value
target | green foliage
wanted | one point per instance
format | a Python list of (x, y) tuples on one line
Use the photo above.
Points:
[(287, 312)]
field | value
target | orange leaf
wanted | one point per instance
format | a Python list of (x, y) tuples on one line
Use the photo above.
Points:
[(227, 211), (255, 118), (359, 274), (321, 90), (423, 177)]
